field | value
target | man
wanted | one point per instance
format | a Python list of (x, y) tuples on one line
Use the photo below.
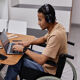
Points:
[(56, 44)]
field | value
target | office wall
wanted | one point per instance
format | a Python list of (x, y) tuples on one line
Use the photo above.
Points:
[(53, 2), (4, 9), (13, 2), (76, 12), (1, 6), (27, 10)]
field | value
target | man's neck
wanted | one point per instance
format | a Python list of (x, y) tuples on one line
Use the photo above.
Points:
[(51, 26)]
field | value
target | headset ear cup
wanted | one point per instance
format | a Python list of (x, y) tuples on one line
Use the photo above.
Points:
[(48, 18)]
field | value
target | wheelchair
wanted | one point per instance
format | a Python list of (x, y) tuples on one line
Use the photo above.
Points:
[(31, 74)]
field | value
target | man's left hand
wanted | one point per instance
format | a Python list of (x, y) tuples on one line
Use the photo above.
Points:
[(18, 48)]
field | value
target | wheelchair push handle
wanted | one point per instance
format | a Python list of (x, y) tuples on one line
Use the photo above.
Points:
[(69, 56), (71, 43)]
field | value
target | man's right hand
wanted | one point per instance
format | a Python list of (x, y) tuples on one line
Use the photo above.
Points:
[(18, 48), (27, 43)]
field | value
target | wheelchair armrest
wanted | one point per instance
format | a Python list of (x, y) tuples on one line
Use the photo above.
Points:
[(52, 63), (42, 45)]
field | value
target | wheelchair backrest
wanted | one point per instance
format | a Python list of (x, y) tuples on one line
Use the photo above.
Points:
[(60, 65)]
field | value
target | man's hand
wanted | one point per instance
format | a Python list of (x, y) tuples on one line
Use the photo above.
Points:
[(18, 48), (27, 43)]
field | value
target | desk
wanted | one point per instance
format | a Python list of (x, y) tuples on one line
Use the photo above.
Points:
[(13, 59)]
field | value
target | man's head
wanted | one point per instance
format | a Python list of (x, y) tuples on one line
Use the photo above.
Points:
[(46, 15)]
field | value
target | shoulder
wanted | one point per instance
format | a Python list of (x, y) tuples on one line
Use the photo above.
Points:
[(59, 30)]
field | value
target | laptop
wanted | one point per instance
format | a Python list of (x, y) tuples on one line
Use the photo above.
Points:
[(7, 45)]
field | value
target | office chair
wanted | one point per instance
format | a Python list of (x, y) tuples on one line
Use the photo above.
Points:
[(31, 74)]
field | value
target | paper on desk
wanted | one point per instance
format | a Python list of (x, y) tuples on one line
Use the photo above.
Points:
[(12, 37)]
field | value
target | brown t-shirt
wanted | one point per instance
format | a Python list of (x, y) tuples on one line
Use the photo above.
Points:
[(56, 44)]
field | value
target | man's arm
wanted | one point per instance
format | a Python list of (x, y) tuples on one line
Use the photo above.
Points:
[(38, 41), (33, 42), (39, 58)]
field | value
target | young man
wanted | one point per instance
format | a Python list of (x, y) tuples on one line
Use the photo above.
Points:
[(56, 44)]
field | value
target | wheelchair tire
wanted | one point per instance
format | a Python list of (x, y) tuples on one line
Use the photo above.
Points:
[(69, 72), (48, 78)]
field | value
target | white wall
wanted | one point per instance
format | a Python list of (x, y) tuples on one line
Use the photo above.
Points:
[(23, 14), (4, 9), (30, 14), (13, 2), (76, 12), (52, 2)]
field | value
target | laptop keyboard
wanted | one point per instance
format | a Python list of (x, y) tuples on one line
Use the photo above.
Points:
[(12, 51)]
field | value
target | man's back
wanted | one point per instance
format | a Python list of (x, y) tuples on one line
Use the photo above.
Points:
[(56, 44)]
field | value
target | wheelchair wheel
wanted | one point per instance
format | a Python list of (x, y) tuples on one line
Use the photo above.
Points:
[(69, 72), (48, 78)]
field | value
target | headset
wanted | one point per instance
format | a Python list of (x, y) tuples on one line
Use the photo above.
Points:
[(48, 15)]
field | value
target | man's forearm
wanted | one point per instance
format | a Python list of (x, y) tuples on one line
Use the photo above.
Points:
[(39, 58), (38, 41)]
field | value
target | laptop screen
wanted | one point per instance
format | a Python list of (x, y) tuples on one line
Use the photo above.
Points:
[(4, 40)]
